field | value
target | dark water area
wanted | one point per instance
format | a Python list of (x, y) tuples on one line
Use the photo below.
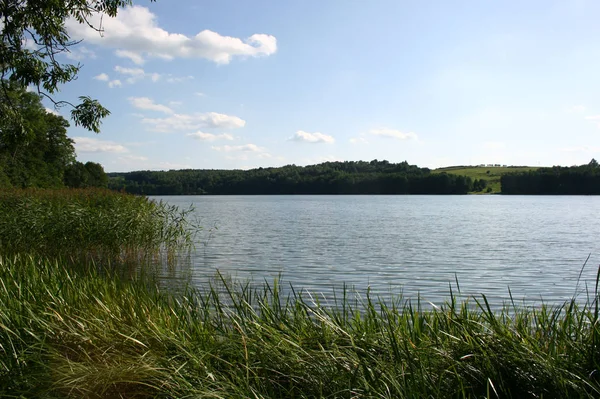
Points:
[(411, 245)]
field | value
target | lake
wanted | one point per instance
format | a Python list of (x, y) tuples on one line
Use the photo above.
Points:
[(409, 245)]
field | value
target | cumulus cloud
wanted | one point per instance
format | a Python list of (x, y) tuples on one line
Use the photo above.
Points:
[(148, 104), (392, 133), (242, 148), (52, 111), (115, 83), (102, 77), (210, 137), (136, 58), (90, 144), (312, 137), (136, 74), (194, 122), (135, 34)]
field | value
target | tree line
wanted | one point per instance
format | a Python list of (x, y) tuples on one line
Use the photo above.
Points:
[(557, 180), (35, 150), (374, 177)]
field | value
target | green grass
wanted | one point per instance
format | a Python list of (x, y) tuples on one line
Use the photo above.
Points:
[(93, 223), (481, 172), (73, 332), (70, 327)]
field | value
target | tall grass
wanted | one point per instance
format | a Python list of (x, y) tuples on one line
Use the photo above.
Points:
[(74, 332), (70, 328), (93, 223)]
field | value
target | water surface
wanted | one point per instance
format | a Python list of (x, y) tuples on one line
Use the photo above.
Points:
[(414, 245)]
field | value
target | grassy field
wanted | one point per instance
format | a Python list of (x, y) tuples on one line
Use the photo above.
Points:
[(491, 174)]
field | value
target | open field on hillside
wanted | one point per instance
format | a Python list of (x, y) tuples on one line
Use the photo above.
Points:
[(491, 174)]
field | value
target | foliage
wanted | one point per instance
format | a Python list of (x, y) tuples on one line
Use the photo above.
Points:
[(34, 38), (99, 223), (37, 152), (490, 174), (375, 177), (74, 332), (33, 153), (90, 174), (575, 180)]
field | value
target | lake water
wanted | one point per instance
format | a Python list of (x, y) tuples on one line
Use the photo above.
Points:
[(410, 245)]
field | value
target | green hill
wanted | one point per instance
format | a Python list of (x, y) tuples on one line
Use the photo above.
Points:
[(491, 174)]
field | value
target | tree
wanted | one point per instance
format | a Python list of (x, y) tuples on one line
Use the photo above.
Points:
[(90, 174), (33, 38), (35, 151)]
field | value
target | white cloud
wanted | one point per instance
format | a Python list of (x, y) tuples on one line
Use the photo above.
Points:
[(136, 58), (236, 148), (194, 122), (199, 94), (136, 74), (80, 53), (135, 33), (52, 111), (146, 103), (175, 79), (89, 144), (115, 83), (577, 109), (175, 103), (210, 137), (312, 137), (358, 140), (392, 133), (102, 77)]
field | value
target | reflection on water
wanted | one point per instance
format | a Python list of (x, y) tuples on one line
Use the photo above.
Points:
[(414, 245)]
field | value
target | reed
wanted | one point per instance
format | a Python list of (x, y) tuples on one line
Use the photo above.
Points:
[(75, 332), (96, 224)]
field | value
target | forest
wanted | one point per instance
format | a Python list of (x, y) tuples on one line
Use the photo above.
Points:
[(557, 180), (350, 177), (35, 151)]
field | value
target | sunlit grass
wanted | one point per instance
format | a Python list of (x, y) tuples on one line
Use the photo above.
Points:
[(75, 332), (491, 174)]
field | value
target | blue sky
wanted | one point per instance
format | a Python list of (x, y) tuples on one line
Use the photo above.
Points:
[(232, 84)]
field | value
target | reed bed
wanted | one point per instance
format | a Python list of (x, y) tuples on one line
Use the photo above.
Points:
[(96, 224), (70, 331)]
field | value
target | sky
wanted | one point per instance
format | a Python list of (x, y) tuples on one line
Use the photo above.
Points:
[(223, 84)]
